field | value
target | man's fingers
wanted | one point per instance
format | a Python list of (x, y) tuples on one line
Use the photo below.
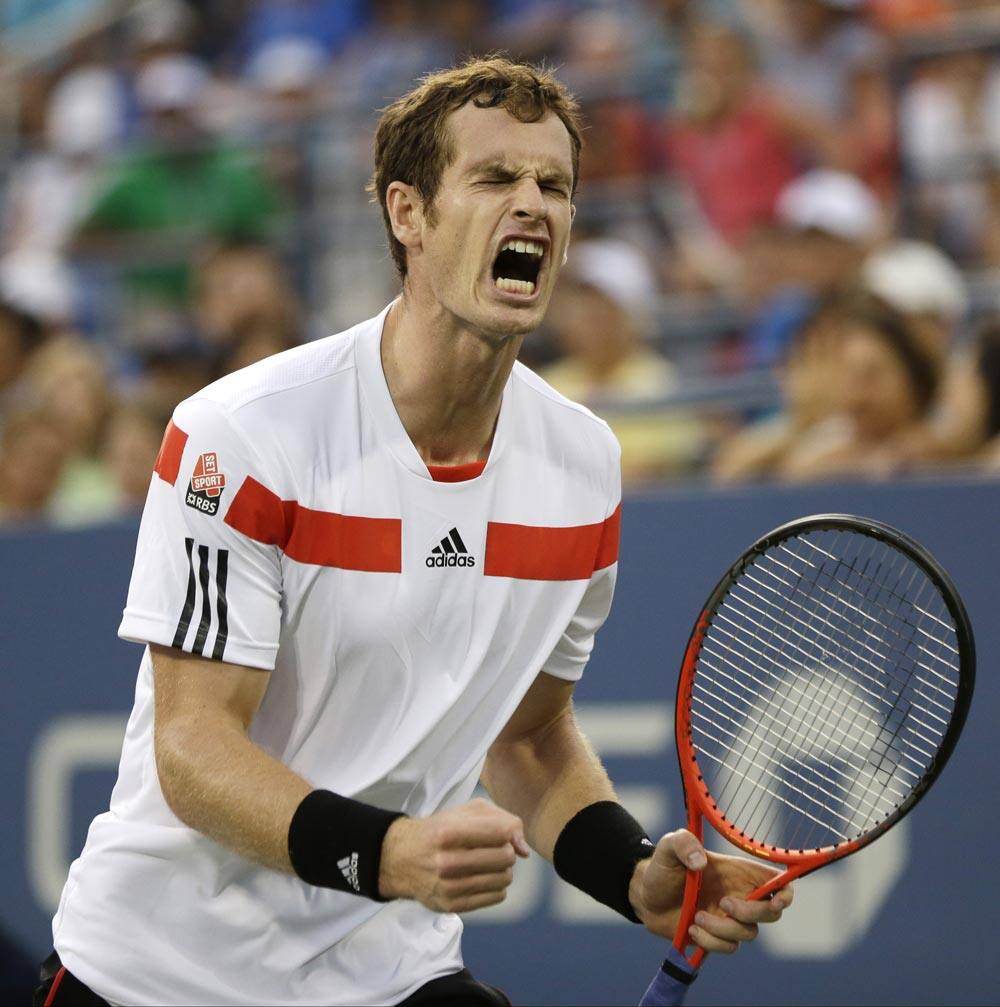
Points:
[(680, 847), (495, 882), (725, 928), (708, 941), (464, 863), (783, 897), (764, 911), (474, 833)]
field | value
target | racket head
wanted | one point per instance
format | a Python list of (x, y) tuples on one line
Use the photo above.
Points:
[(871, 729)]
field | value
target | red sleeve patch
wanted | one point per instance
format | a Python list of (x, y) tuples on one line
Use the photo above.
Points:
[(168, 461)]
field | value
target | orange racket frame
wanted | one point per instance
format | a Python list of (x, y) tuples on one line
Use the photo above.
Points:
[(698, 800)]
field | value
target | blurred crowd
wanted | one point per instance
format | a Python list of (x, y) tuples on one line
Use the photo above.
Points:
[(786, 261)]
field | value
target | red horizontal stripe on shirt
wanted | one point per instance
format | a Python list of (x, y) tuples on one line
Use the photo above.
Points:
[(168, 461), (533, 552), (323, 538)]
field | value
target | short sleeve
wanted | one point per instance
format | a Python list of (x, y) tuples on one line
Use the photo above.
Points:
[(572, 652), (198, 584)]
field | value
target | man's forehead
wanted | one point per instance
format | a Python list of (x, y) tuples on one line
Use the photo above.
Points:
[(493, 135)]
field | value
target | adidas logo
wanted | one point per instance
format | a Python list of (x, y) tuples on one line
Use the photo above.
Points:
[(451, 552), (349, 868)]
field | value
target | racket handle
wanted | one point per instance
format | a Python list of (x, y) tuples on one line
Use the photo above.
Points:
[(670, 985)]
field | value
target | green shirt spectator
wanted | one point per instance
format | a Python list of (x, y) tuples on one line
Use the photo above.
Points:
[(216, 192)]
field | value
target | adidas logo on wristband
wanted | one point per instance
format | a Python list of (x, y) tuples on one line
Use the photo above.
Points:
[(349, 868)]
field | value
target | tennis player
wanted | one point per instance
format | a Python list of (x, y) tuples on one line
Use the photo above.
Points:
[(369, 574)]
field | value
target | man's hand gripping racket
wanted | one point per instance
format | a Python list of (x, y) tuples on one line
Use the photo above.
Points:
[(822, 691)]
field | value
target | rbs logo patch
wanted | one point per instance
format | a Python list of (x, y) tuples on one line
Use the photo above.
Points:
[(207, 484)]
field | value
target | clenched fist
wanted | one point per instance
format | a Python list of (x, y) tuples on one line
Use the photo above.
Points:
[(453, 861)]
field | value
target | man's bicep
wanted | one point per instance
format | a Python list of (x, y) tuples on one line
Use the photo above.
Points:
[(189, 688)]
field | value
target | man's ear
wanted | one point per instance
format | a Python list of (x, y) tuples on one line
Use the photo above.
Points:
[(406, 213)]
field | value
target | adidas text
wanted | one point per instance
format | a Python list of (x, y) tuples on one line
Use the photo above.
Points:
[(452, 560), (349, 868)]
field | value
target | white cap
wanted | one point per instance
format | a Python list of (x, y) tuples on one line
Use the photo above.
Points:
[(85, 112), (171, 82), (833, 202), (37, 282), (292, 63), (917, 278), (618, 270)]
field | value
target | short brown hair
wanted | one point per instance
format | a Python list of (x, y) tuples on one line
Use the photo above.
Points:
[(412, 144)]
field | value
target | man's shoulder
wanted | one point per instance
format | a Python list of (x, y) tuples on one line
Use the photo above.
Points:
[(569, 423), (269, 385)]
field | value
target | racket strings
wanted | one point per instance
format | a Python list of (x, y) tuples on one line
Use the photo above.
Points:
[(836, 586), (867, 646), (824, 687), (914, 626), (874, 669)]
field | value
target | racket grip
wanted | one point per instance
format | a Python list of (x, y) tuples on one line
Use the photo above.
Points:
[(670, 985)]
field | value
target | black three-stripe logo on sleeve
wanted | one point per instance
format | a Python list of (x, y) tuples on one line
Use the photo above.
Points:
[(201, 584)]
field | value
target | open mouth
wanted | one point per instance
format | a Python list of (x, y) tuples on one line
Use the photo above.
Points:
[(517, 265)]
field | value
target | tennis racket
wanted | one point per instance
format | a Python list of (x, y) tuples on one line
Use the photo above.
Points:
[(822, 691)]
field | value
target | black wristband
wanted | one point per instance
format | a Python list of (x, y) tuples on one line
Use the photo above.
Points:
[(597, 852), (336, 842)]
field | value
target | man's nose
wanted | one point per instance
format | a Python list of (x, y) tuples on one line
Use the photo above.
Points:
[(529, 203)]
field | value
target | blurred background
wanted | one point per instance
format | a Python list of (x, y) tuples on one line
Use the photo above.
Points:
[(783, 294)]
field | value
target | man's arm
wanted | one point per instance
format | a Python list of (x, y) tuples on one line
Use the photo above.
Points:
[(543, 769), (214, 778), (217, 781)]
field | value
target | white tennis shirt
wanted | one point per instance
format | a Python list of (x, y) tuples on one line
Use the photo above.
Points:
[(291, 526)]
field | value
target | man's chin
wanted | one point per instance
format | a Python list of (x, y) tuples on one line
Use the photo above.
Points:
[(507, 320)]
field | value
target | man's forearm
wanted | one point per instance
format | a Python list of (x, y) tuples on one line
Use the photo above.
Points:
[(545, 777), (216, 780)]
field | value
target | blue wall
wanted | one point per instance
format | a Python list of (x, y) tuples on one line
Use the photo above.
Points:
[(911, 920)]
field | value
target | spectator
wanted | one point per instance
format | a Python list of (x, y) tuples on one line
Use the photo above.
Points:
[(828, 66), (600, 318), (238, 285), (384, 60), (830, 223), (600, 56), (128, 450), (886, 387), (183, 187), (48, 192), (32, 455), (814, 50), (20, 334), (287, 77), (69, 380), (724, 138), (809, 379), (984, 395), (922, 283), (330, 25), (950, 132)]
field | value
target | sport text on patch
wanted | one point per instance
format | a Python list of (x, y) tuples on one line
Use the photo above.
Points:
[(207, 484)]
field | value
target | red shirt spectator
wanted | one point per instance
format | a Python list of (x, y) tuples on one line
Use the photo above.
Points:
[(736, 166), (725, 139)]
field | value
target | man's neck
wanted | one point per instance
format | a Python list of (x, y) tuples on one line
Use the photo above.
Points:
[(445, 379)]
